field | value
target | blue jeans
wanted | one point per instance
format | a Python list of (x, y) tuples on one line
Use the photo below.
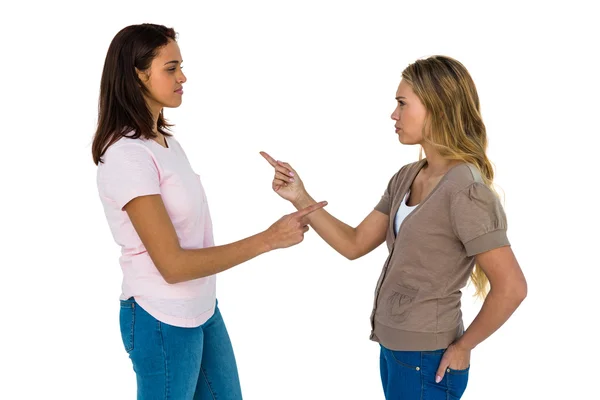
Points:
[(410, 375), (179, 363)]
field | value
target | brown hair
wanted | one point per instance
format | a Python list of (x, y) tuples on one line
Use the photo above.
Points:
[(122, 107)]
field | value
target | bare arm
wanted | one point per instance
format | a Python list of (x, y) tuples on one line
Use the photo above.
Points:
[(350, 242), (508, 288), (154, 227)]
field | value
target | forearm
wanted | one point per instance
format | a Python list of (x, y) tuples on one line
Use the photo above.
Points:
[(199, 263), (337, 234), (497, 308)]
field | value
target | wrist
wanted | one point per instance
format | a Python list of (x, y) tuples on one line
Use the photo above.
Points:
[(462, 344), (265, 242), (303, 200)]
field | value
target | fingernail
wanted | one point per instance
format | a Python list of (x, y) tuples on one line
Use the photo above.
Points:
[(291, 179), (291, 173), (438, 379)]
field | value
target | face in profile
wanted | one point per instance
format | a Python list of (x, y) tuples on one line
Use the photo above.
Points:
[(164, 79), (409, 115)]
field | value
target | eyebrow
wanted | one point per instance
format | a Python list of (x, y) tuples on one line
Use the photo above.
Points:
[(173, 62), (400, 97)]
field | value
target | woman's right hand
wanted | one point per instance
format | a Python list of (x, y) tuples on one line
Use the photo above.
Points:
[(290, 229), (286, 182)]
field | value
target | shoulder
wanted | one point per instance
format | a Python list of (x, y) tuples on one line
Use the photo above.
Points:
[(126, 146), (127, 154), (464, 176), (466, 186)]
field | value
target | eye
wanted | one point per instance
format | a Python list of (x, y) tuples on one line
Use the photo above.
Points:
[(401, 103), (173, 69)]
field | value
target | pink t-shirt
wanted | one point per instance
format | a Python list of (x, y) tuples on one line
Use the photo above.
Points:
[(139, 167)]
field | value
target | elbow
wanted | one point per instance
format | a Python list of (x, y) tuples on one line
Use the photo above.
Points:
[(354, 247), (521, 291), (170, 279), (352, 254), (169, 269), (516, 292), (169, 275), (513, 293)]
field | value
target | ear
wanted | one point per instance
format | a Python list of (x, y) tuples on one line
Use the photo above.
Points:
[(144, 76)]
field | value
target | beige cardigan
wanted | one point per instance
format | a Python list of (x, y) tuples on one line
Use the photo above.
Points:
[(417, 299)]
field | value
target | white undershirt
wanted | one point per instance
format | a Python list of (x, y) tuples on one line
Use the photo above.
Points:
[(403, 211)]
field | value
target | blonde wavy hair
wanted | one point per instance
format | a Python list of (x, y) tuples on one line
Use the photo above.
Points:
[(453, 124)]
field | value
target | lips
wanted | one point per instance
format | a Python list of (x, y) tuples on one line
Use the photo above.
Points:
[(179, 91)]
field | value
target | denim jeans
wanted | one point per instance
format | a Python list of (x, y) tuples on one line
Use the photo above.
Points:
[(179, 363), (410, 375)]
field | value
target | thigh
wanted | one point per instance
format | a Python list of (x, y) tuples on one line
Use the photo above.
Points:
[(166, 359), (404, 375), (451, 387), (383, 369), (218, 375), (457, 382), (411, 376)]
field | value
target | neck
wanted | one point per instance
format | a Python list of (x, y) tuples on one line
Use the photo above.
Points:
[(155, 109), (436, 163)]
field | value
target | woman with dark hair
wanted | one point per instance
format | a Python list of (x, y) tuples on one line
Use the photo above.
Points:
[(157, 211)]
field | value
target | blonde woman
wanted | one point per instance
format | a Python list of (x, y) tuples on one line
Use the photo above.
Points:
[(442, 223)]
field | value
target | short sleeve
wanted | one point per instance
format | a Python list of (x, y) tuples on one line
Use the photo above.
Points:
[(384, 204), (479, 219), (128, 171)]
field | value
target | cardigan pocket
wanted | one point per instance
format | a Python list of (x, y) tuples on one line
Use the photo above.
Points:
[(398, 303)]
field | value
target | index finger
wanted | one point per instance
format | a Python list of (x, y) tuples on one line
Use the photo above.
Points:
[(269, 159), (310, 209)]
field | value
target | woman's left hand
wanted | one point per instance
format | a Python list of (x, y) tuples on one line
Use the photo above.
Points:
[(455, 357)]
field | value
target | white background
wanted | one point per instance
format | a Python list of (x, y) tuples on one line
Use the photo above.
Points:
[(313, 83)]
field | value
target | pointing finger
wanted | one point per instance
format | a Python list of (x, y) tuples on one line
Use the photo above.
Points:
[(312, 208), (269, 159)]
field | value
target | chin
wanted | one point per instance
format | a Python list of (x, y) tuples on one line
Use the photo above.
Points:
[(405, 141), (173, 104)]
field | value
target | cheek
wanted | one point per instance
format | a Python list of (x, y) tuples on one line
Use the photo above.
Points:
[(416, 120), (162, 85), (408, 120)]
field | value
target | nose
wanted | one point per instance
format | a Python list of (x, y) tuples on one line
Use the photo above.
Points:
[(396, 114), (181, 78)]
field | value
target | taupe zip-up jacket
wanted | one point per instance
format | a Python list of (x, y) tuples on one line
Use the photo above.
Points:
[(417, 299)]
